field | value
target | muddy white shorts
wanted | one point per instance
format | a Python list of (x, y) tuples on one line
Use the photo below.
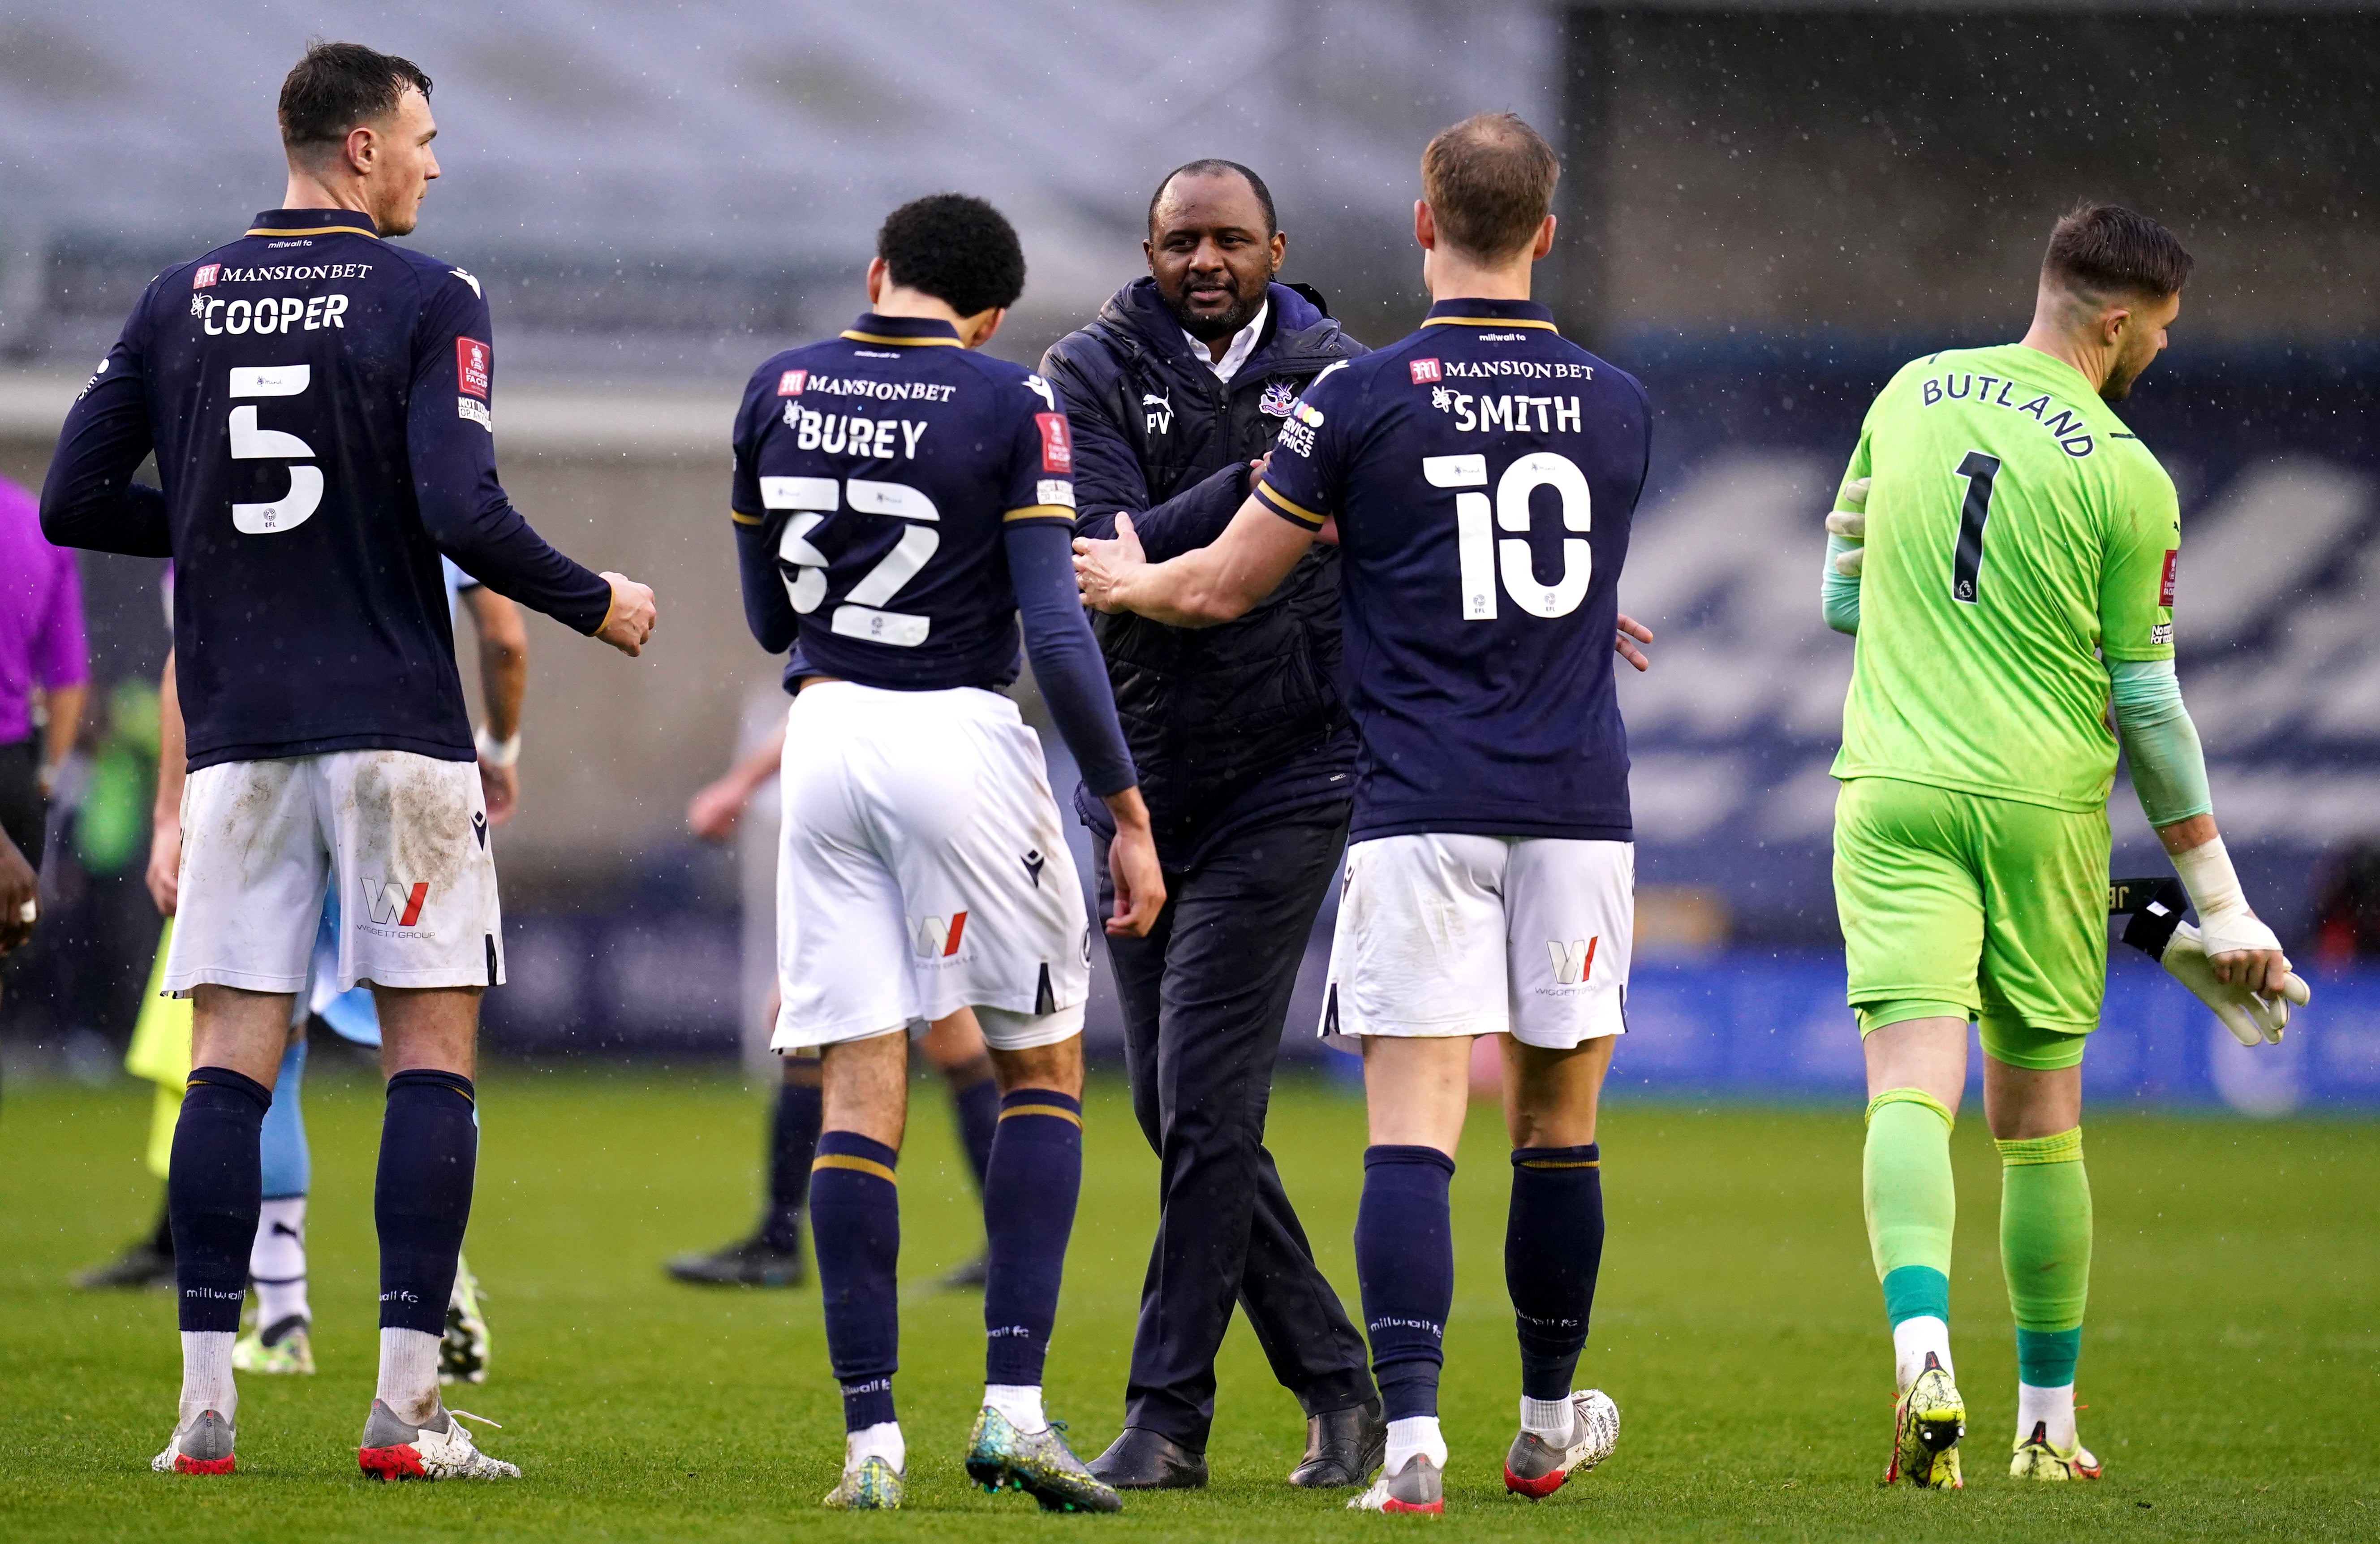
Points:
[(1443, 935), (404, 839), (922, 869)]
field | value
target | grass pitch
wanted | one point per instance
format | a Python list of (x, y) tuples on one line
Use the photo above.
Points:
[(2228, 1364)]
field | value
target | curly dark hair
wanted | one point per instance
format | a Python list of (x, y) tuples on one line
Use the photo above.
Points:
[(955, 248), (339, 85)]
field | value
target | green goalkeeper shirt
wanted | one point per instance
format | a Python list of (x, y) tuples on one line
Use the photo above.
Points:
[(2018, 537)]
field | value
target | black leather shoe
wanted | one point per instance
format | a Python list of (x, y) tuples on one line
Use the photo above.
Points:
[(1343, 1447), (1140, 1459)]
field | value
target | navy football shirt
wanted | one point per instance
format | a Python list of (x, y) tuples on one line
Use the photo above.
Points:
[(319, 403), (1483, 473), (882, 467)]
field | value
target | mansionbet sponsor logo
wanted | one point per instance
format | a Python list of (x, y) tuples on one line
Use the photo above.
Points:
[(790, 384), (1425, 371), (938, 938), (205, 275), (393, 902)]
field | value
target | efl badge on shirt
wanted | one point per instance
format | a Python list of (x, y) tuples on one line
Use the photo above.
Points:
[(1057, 445), (1279, 398), (471, 367)]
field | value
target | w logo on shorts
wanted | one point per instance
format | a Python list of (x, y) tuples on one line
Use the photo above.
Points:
[(392, 902), (937, 937), (1572, 963)]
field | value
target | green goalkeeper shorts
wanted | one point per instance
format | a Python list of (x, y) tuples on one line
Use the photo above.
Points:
[(1961, 904)]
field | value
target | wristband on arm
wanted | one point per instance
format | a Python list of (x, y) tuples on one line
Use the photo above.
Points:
[(496, 752)]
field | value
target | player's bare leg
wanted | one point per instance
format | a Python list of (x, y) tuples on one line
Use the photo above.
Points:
[(1553, 1251), (215, 1192), (1030, 1189), (855, 1223), (1916, 1070), (429, 1159), (2036, 1122)]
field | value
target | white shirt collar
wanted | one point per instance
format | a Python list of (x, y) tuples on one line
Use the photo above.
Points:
[(1243, 343)]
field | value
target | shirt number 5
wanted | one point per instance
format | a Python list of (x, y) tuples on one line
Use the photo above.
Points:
[(249, 443)]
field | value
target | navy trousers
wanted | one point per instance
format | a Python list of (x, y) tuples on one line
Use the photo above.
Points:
[(1204, 995)]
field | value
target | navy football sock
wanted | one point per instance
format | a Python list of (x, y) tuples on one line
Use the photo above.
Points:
[(429, 1156), (793, 1144), (1553, 1246), (215, 1192), (978, 1101), (1028, 1208), (855, 1228), (1404, 1264)]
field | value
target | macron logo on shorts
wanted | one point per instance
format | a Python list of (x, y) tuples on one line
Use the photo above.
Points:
[(940, 939), (1574, 962), (391, 903)]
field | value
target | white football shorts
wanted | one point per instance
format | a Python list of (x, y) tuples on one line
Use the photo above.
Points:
[(922, 869), (404, 838), (1445, 935)]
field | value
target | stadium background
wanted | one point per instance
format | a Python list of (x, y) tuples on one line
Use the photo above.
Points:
[(1767, 208)]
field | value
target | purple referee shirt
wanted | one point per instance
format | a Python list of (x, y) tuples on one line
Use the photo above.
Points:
[(41, 614)]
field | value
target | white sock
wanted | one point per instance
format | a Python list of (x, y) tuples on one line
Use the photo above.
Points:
[(1912, 1339), (277, 1260), (1552, 1419), (408, 1374), (206, 1376), (881, 1441), (1020, 1402), (1413, 1435), (2055, 1406)]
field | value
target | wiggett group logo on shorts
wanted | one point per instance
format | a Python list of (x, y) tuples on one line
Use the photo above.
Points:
[(393, 902), (1574, 961)]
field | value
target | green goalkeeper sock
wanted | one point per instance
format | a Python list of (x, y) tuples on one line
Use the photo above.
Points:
[(2046, 1253), (1911, 1205)]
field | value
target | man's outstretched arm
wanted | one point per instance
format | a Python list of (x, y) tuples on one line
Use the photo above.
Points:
[(1214, 584)]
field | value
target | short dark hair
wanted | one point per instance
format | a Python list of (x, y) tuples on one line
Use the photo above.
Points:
[(1489, 181), (2100, 249), (339, 85), (955, 248), (1215, 166)]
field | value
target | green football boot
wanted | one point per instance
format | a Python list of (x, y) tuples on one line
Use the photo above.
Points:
[(870, 1485), (279, 1347), (1001, 1458), (1927, 1421), (463, 1355)]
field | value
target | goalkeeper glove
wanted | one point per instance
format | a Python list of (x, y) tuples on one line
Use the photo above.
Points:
[(1850, 522), (2157, 930)]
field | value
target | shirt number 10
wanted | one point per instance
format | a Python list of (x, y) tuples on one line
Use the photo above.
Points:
[(1483, 558)]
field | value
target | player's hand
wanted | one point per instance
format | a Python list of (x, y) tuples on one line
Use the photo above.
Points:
[(2254, 1017), (1850, 522), (631, 622), (1132, 867), (1101, 567), (711, 814), (2243, 952), (164, 874), (20, 904), (500, 786), (1631, 633)]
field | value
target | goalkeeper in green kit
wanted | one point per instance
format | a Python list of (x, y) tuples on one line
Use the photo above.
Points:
[(2005, 551)]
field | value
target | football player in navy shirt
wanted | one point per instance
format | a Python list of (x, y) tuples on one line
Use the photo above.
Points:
[(319, 403), (899, 500), (1481, 476)]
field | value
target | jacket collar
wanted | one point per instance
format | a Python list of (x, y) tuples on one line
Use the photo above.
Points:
[(313, 221), (1493, 313), (915, 332)]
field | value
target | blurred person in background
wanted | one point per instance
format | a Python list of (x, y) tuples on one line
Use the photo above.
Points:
[(2347, 908), (280, 1340), (772, 1255), (43, 671)]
